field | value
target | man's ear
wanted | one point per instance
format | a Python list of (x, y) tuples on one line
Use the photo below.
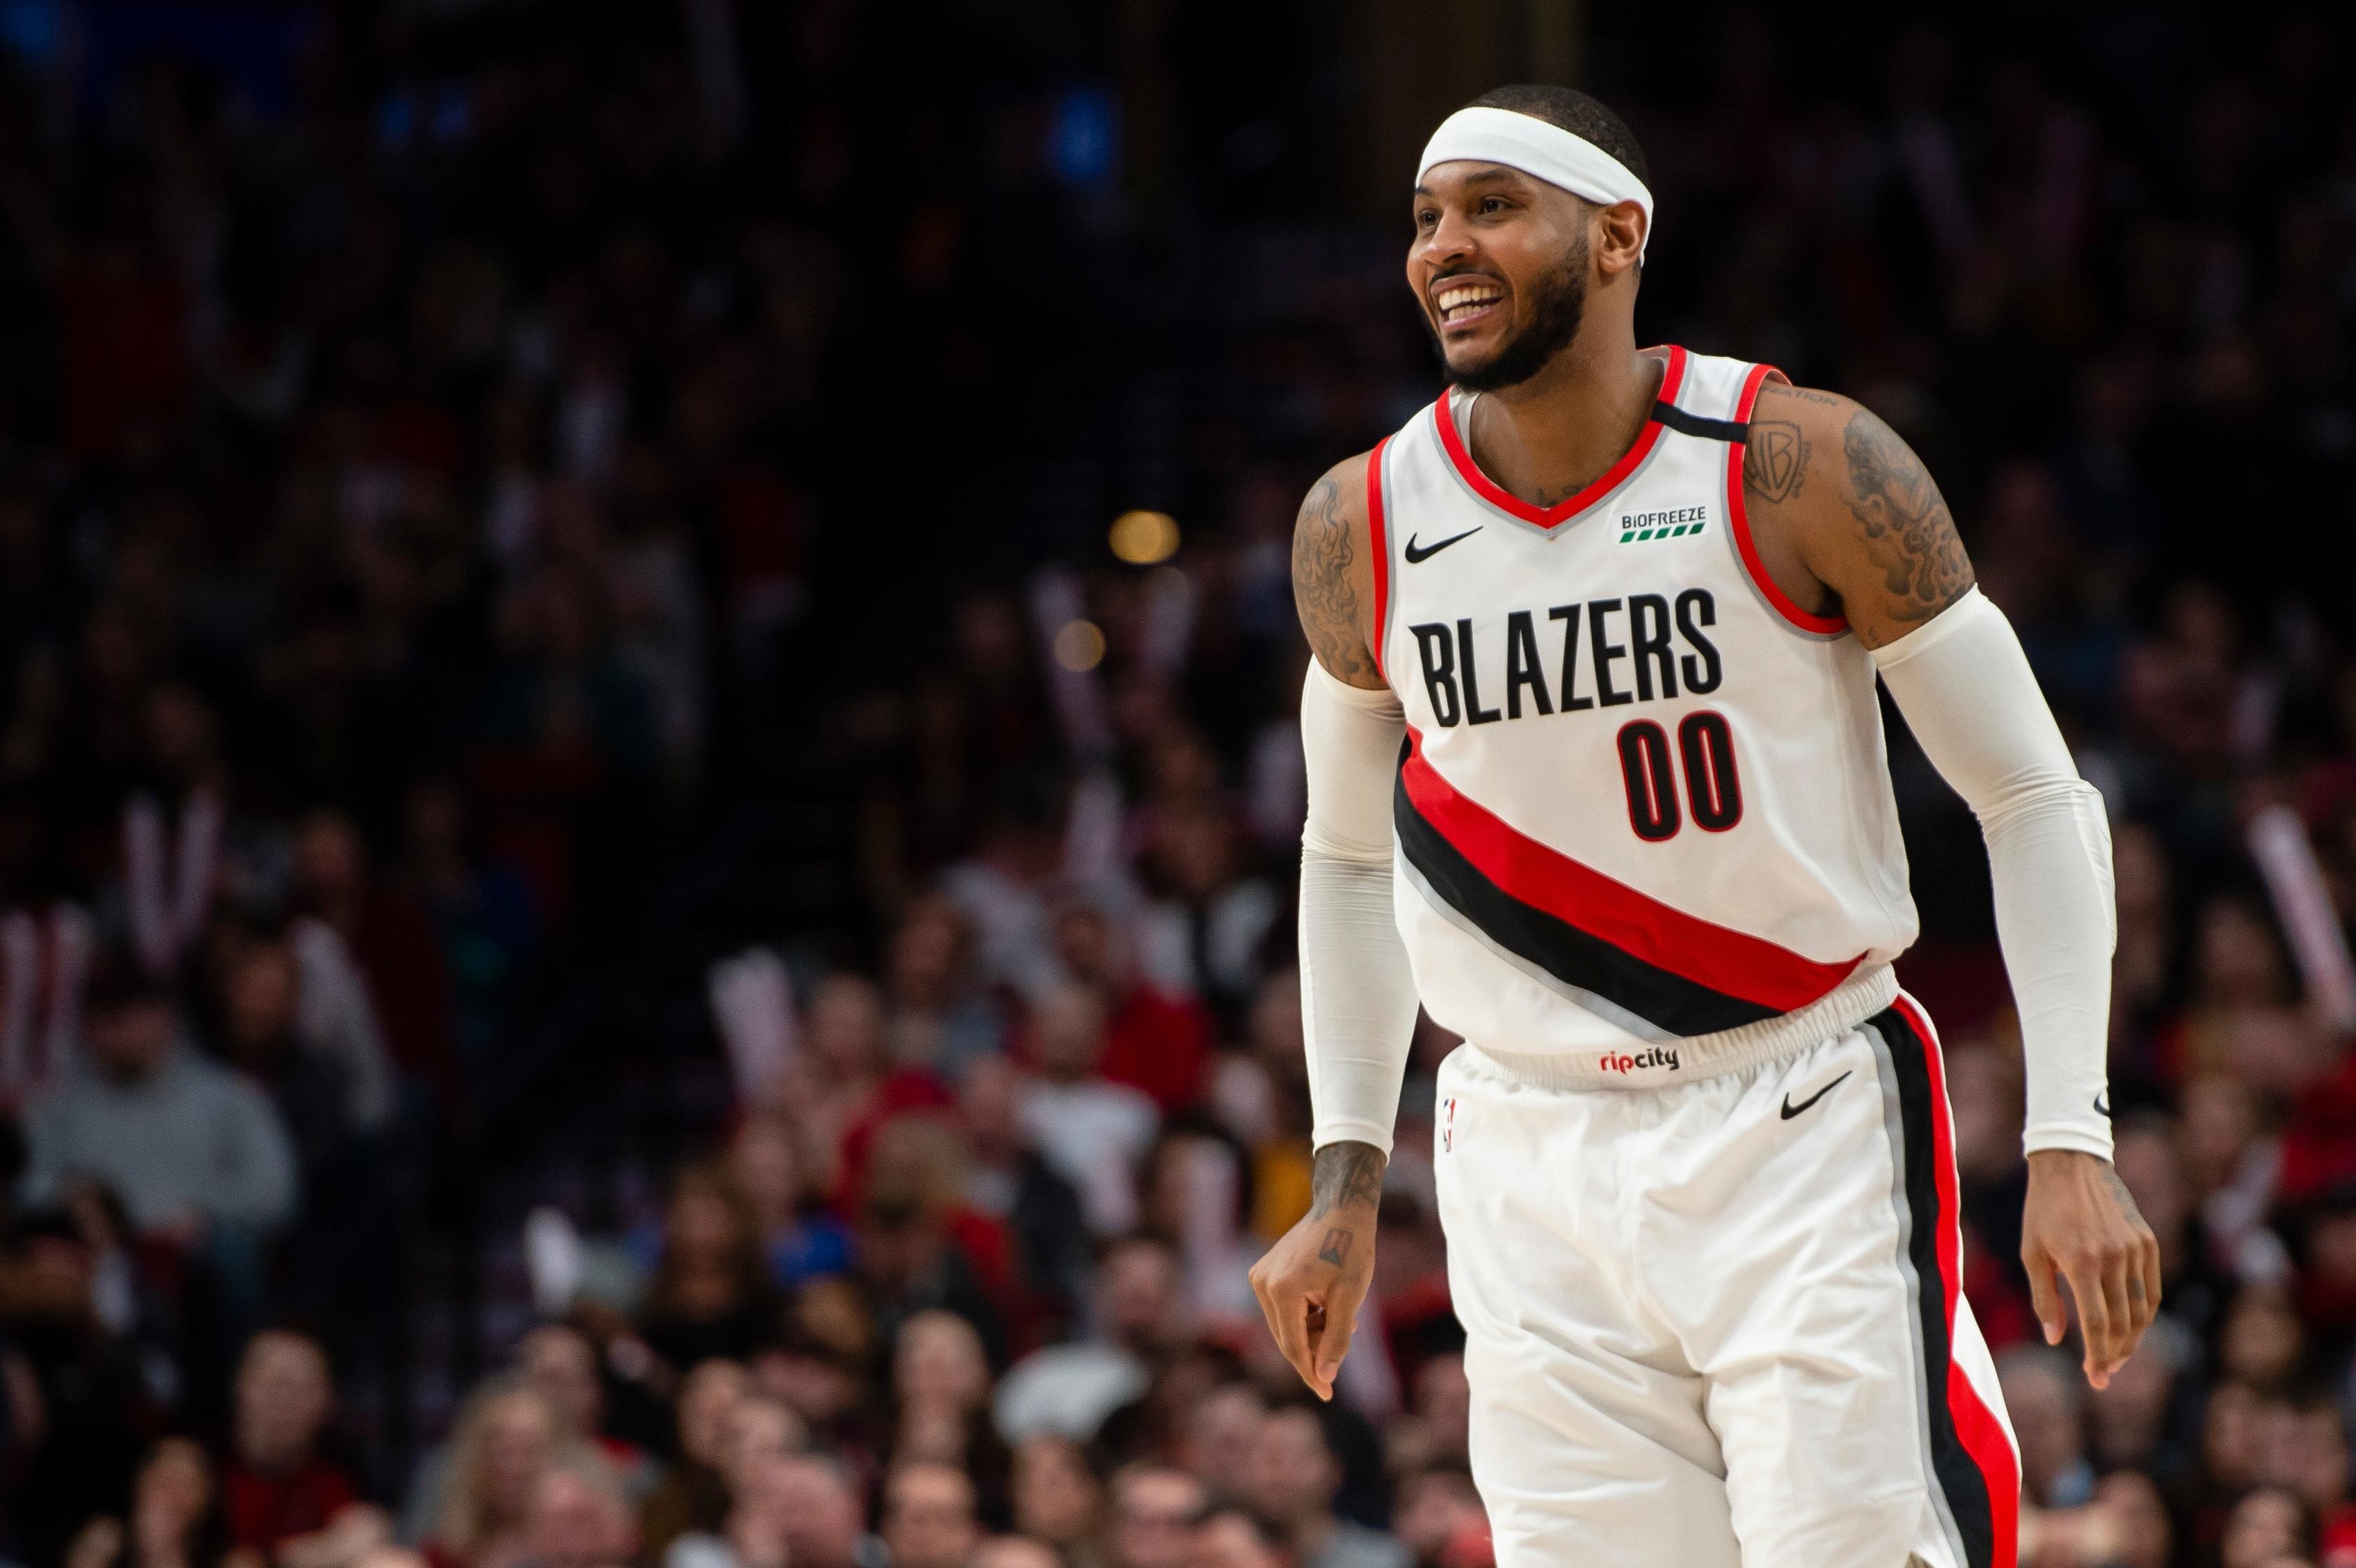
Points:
[(1620, 231)]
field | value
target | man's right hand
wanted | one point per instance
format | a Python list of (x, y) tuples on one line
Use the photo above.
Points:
[(1313, 1281)]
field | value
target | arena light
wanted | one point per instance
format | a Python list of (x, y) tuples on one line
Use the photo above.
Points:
[(1079, 646), (1144, 539)]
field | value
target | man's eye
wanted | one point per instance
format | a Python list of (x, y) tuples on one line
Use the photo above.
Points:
[(1492, 204)]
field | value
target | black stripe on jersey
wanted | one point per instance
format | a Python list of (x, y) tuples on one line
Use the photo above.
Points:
[(1684, 423), (1576, 957), (1958, 1474)]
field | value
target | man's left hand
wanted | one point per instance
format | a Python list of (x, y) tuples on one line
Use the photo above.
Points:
[(2082, 1223)]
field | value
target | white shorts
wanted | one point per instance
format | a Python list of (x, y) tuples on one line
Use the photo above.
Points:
[(1717, 1324)]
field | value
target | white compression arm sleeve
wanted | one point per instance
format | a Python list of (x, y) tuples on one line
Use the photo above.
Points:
[(1967, 693), (1357, 998)]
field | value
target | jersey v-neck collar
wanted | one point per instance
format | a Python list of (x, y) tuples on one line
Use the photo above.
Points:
[(1548, 518)]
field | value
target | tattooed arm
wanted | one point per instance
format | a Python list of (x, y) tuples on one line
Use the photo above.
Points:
[(1333, 574), (1311, 1284), (1357, 998), (1846, 517)]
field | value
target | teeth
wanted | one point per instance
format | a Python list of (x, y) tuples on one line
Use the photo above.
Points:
[(1467, 297)]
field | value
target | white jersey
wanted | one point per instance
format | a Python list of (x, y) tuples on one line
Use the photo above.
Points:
[(1643, 816)]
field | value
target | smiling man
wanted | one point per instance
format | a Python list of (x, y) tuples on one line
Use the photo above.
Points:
[(1596, 775)]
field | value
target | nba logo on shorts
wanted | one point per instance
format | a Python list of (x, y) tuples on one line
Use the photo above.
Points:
[(1448, 1123)]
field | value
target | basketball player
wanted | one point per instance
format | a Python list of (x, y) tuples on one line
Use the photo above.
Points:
[(1596, 772)]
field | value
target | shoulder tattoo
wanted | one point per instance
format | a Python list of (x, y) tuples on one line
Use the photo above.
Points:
[(1909, 533), (1774, 460), (1321, 585)]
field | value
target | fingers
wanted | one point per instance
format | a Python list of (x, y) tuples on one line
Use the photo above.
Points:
[(1286, 1308), (2139, 1279), (2117, 1310), (1341, 1322), (2044, 1299), (2085, 1278)]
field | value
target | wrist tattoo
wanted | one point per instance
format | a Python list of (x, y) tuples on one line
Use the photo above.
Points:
[(1344, 1174), (1337, 1246), (2121, 1194)]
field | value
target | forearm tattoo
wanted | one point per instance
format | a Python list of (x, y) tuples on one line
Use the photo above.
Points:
[(1910, 535), (1345, 1175), (1322, 588)]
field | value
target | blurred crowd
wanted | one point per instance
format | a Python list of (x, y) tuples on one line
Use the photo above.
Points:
[(509, 504)]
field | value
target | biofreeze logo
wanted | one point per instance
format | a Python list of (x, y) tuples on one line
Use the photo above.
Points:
[(1638, 526), (1659, 1056)]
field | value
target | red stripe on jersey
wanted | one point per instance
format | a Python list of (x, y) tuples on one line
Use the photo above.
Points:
[(1505, 500), (1379, 542), (1982, 1434), (1731, 961), (1739, 521)]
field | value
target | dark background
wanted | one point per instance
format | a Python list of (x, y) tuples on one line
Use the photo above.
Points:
[(528, 502)]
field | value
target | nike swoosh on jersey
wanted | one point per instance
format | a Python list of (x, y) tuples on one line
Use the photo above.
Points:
[(1415, 554), (1790, 1110)]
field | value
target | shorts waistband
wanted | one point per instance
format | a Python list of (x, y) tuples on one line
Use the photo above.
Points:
[(1845, 1006)]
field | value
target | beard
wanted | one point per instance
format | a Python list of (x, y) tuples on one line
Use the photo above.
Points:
[(1557, 305)]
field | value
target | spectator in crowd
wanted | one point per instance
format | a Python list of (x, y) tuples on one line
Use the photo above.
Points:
[(824, 1525), (758, 1431), (1009, 1180), (2047, 1404), (693, 1495), (1440, 1516), (1233, 1537), (1140, 1320), (1155, 1043), (1056, 1496), (579, 1518), (798, 1237), (313, 1090), (928, 1516), (1015, 1552), (917, 1245), (175, 1518), (281, 1497), (939, 1018), (1093, 1131), (2266, 1526), (2144, 1531), (559, 1361), (1154, 1510), (940, 1375), (1221, 1436), (1295, 1478), (711, 1296), (505, 1443), (198, 1156)]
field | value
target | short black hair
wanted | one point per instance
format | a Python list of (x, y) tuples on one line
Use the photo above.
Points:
[(1590, 118)]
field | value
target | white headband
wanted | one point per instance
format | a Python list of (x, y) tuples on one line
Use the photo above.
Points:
[(1539, 150)]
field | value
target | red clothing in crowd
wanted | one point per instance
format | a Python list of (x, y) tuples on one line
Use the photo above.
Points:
[(1156, 1044), (264, 1510)]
